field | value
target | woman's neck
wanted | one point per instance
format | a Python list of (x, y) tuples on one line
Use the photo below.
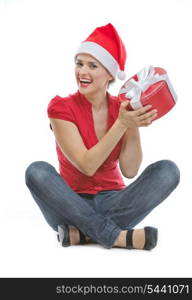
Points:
[(98, 101)]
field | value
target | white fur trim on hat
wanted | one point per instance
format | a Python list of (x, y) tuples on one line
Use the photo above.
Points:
[(101, 54)]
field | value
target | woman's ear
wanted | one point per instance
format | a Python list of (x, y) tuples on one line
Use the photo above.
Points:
[(111, 81)]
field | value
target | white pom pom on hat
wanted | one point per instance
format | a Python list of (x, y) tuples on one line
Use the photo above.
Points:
[(121, 75), (105, 44)]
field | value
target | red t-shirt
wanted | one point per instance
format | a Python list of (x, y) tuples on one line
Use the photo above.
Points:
[(77, 109)]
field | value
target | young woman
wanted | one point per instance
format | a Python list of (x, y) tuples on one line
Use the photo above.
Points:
[(97, 141)]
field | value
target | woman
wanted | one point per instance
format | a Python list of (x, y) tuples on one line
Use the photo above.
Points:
[(96, 138)]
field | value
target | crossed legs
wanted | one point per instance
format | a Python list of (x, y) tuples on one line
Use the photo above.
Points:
[(115, 215)]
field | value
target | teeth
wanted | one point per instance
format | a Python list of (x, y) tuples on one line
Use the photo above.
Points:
[(85, 80)]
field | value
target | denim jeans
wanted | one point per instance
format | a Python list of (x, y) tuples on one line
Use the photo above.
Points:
[(104, 215)]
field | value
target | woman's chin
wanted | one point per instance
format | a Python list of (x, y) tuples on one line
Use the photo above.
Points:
[(85, 91)]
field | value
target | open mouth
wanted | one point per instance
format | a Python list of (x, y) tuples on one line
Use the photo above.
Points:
[(85, 82)]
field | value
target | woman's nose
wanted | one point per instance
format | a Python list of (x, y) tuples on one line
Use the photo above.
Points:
[(83, 70)]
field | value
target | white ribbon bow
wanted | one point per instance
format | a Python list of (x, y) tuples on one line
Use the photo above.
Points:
[(146, 77)]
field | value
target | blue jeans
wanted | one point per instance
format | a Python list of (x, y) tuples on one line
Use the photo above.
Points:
[(104, 215)]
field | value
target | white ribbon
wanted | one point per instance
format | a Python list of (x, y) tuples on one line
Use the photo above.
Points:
[(146, 77)]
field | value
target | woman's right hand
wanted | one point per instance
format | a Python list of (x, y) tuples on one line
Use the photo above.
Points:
[(141, 117)]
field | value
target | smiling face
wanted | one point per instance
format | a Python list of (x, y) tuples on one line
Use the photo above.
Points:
[(91, 76)]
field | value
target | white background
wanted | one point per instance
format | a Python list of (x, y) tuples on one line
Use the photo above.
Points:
[(38, 42)]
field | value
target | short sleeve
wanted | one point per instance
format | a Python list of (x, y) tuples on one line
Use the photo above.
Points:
[(60, 108)]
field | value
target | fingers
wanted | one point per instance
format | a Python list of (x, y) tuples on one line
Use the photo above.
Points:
[(147, 121), (124, 104), (140, 117), (152, 114), (142, 110), (144, 116)]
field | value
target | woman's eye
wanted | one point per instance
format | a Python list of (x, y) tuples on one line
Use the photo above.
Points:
[(93, 66), (78, 64)]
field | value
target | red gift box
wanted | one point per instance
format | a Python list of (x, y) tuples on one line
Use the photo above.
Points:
[(149, 86)]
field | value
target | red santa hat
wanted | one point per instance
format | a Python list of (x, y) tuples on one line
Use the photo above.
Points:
[(105, 44)]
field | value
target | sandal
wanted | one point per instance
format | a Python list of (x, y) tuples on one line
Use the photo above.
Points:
[(64, 236), (151, 234)]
